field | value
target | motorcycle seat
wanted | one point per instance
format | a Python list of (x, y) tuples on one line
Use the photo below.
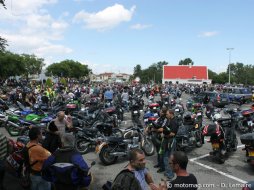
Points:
[(91, 130), (115, 139)]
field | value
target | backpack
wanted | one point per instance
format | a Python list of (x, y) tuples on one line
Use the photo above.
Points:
[(19, 161), (126, 180), (63, 171)]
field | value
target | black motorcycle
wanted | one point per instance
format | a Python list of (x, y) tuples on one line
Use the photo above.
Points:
[(86, 138), (135, 113), (113, 147), (189, 135)]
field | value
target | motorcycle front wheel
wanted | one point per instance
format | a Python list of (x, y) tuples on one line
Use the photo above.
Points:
[(13, 131), (148, 147)]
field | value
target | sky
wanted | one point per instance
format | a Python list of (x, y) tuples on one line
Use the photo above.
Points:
[(117, 35)]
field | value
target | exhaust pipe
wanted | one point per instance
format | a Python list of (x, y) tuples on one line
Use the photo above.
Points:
[(117, 154)]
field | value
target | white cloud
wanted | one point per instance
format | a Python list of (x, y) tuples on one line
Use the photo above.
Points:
[(24, 7), (35, 29), (35, 44), (208, 34), (140, 26), (59, 25), (105, 19), (52, 49)]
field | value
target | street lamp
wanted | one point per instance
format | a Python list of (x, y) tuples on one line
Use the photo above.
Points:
[(229, 60)]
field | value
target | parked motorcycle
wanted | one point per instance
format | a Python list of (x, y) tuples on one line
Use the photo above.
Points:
[(113, 147), (248, 141), (85, 138), (247, 122), (189, 134), (222, 137)]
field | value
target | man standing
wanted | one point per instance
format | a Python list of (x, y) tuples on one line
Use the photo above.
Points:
[(37, 155), (108, 95), (168, 141), (62, 122), (136, 176), (184, 180), (125, 99)]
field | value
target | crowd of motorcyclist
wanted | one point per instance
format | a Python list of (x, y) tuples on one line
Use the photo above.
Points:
[(164, 129)]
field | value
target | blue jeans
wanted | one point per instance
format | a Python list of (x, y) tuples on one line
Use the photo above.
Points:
[(39, 184), (168, 171), (126, 105)]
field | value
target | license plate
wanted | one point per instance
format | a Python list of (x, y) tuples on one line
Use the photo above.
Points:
[(155, 114), (208, 112), (135, 112), (154, 108), (215, 145), (166, 103), (177, 110), (145, 120), (251, 153)]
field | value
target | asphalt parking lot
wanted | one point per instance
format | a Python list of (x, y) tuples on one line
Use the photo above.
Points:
[(210, 175)]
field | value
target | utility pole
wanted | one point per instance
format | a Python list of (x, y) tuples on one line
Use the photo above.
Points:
[(229, 60)]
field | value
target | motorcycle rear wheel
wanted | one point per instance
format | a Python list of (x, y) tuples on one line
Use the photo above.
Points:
[(82, 146), (105, 158)]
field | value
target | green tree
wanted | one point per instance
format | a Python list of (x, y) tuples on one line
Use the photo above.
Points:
[(212, 75), (137, 71), (32, 64), (68, 68), (10, 65), (222, 78), (152, 73), (3, 44), (186, 61)]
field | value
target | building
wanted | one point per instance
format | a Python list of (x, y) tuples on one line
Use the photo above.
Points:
[(110, 77), (185, 74)]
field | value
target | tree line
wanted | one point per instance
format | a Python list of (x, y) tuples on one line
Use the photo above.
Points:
[(12, 64), (240, 73)]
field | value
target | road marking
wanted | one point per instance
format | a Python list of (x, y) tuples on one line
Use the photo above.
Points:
[(194, 160), (200, 157), (220, 172), (197, 158)]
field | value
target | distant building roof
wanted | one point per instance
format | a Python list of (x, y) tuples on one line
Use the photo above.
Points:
[(185, 72), (106, 74)]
